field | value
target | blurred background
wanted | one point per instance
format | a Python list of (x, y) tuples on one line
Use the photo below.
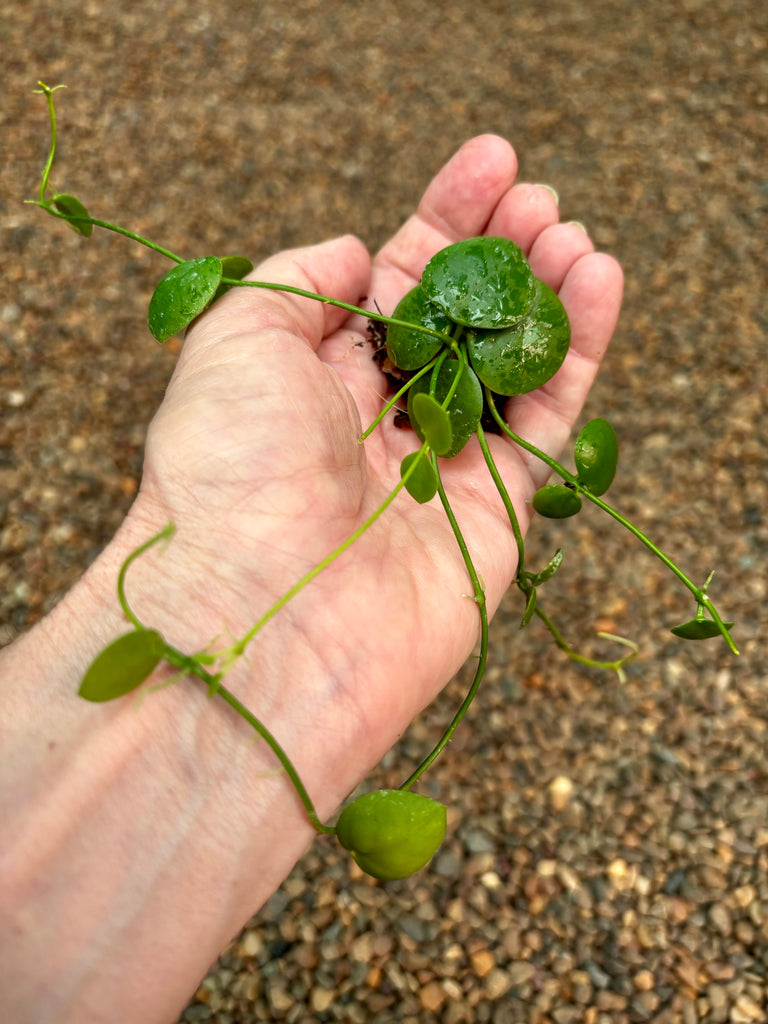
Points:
[(607, 856)]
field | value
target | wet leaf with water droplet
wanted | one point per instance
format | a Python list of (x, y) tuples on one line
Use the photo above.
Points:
[(520, 359), (411, 349), (185, 291), (481, 282), (596, 454)]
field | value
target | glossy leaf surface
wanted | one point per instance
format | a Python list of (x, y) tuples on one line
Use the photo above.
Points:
[(596, 454), (466, 406), (123, 665), (556, 501), (185, 291), (411, 349), (420, 481), (481, 282), (520, 359), (392, 833), (72, 207)]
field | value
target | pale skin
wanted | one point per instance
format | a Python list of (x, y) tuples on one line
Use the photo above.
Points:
[(138, 837)]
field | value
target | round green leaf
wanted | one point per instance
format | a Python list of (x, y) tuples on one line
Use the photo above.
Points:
[(434, 422), (72, 207), (481, 282), (699, 629), (392, 833), (123, 665), (420, 481), (183, 294), (411, 349), (556, 501), (596, 454), (232, 266), (520, 359), (466, 406)]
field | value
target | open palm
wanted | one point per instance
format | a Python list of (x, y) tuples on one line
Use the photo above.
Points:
[(255, 456)]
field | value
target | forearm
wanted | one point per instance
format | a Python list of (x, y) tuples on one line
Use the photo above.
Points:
[(136, 839)]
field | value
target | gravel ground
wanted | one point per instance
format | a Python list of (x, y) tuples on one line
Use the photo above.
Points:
[(607, 857)]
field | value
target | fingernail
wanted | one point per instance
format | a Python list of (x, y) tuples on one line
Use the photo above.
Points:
[(549, 188), (578, 224)]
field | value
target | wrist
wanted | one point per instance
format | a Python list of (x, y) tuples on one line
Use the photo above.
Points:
[(171, 804)]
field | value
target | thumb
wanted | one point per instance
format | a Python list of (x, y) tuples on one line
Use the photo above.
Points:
[(339, 269)]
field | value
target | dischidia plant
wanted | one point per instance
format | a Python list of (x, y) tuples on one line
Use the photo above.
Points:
[(478, 327)]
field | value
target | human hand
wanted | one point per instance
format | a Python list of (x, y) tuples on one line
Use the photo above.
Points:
[(155, 832), (255, 456)]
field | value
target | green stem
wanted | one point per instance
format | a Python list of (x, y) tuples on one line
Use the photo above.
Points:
[(479, 596), (396, 398), (281, 755), (427, 368), (167, 531), (292, 290), (560, 642), (108, 226), (191, 666), (461, 357), (240, 646), (43, 203), (701, 597), (48, 92), (507, 501)]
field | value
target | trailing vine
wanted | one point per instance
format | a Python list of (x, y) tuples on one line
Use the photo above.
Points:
[(479, 327)]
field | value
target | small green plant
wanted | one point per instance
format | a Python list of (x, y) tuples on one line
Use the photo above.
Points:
[(479, 327)]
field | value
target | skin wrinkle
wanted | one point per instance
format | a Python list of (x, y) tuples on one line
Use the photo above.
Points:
[(334, 446), (297, 725), (272, 314), (325, 486), (275, 551), (343, 666), (222, 852), (336, 666)]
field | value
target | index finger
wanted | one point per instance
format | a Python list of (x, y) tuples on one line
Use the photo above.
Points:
[(458, 203)]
